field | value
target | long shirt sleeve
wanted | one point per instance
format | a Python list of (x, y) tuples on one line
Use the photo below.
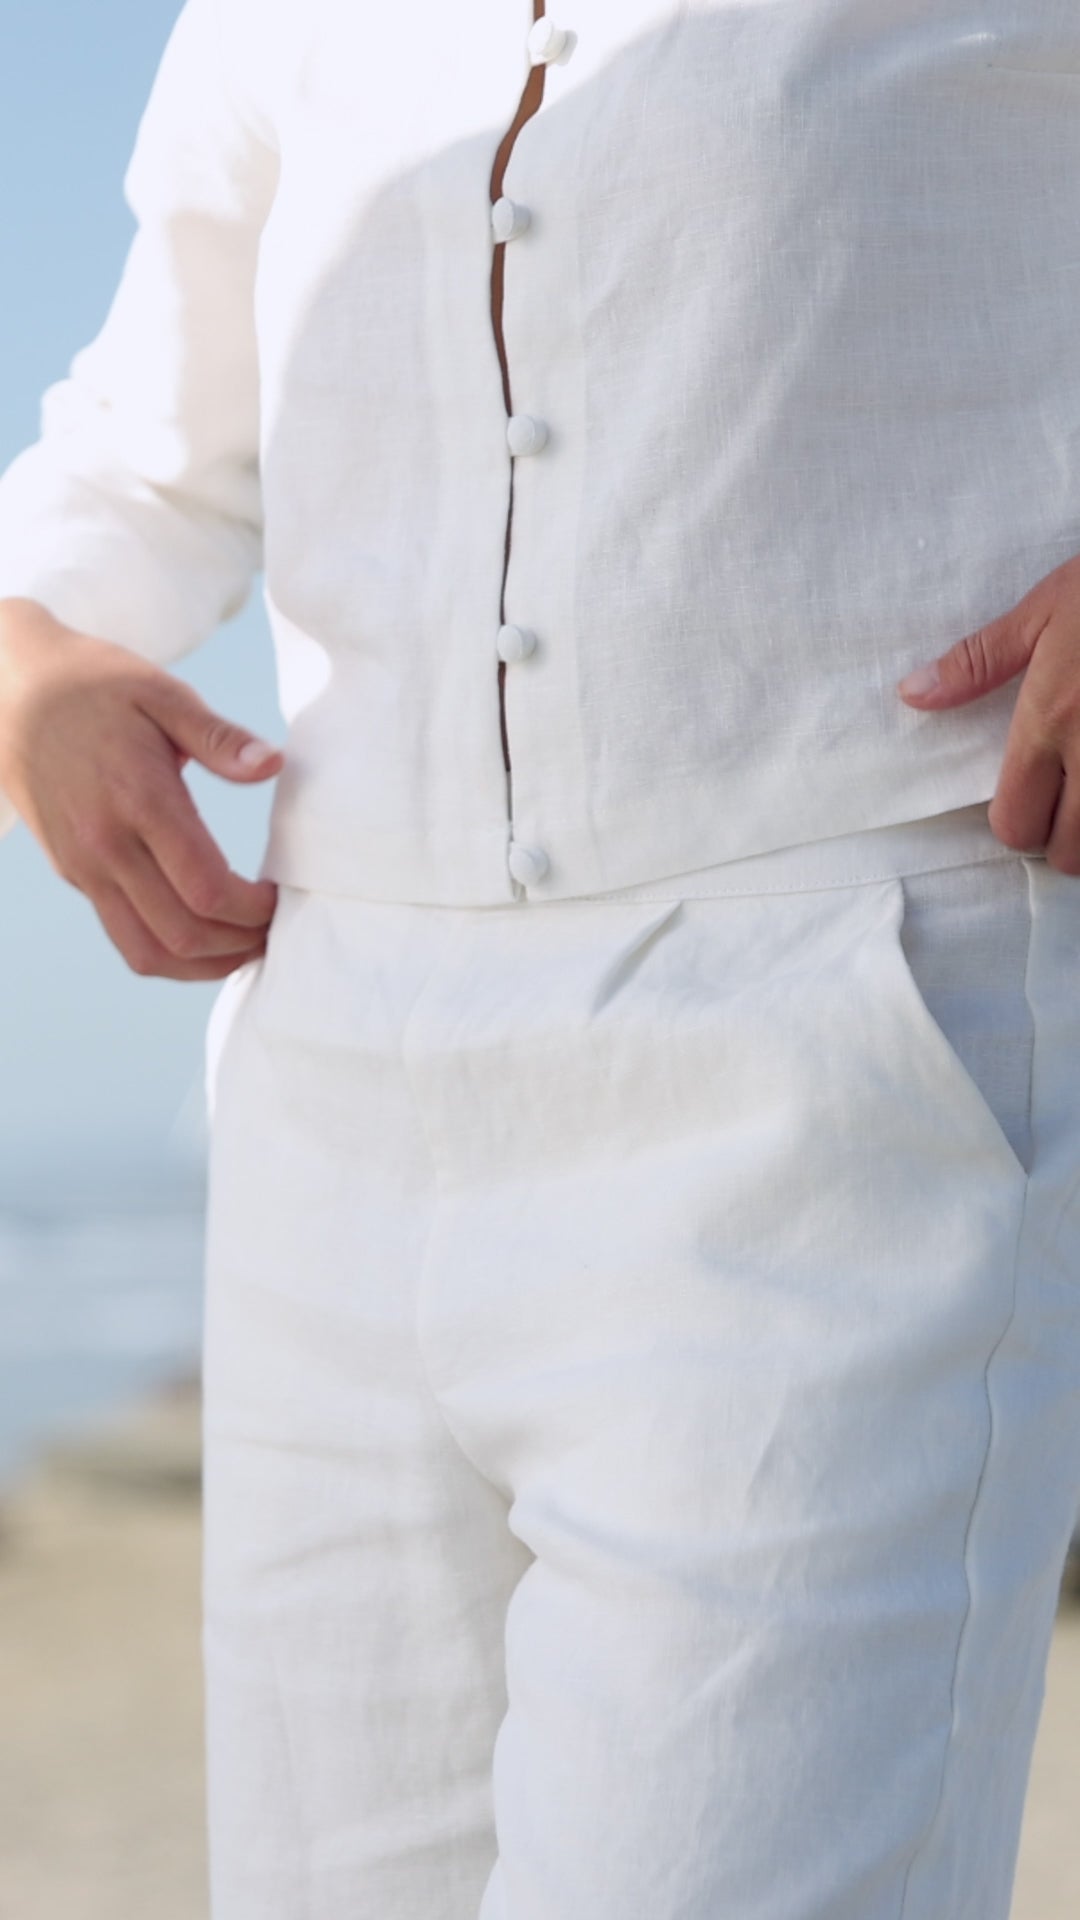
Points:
[(136, 514)]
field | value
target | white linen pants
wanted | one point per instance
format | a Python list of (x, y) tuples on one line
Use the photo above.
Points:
[(642, 1392)]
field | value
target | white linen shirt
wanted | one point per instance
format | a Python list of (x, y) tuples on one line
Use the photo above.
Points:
[(791, 325)]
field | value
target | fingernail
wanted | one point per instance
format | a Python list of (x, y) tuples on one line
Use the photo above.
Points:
[(923, 680), (254, 751)]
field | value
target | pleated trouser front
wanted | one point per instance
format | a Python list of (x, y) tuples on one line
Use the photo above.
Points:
[(642, 1392)]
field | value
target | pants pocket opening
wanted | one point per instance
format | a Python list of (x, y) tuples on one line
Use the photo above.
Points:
[(963, 940)]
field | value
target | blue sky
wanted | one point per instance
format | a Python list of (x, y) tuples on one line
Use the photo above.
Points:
[(93, 1059)]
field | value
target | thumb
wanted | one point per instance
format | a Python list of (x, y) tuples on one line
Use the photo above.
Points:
[(973, 666), (204, 736)]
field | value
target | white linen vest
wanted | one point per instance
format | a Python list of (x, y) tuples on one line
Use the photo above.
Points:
[(758, 385)]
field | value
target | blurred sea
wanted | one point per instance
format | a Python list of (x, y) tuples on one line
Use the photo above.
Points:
[(100, 1291)]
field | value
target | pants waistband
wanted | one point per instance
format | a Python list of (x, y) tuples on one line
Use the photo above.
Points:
[(957, 838)]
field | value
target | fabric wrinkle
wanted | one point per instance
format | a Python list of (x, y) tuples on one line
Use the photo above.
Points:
[(679, 1385)]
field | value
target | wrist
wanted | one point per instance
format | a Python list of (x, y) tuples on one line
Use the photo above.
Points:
[(27, 627)]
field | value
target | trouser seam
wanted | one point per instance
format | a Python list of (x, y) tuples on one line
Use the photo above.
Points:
[(983, 1476), (980, 1489)]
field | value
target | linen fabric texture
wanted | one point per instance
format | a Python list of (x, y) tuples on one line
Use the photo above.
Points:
[(642, 1422), (796, 302)]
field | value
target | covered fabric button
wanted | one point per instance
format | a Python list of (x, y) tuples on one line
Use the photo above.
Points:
[(527, 864), (508, 218), (515, 643), (524, 434), (548, 42)]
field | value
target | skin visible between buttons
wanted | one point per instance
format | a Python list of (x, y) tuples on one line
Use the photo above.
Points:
[(532, 94)]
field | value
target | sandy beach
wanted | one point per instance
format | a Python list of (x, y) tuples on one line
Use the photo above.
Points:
[(101, 1782)]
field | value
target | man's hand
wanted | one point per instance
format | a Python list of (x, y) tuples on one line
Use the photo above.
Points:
[(1037, 802), (92, 743)]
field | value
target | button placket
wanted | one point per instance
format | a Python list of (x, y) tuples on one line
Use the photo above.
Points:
[(526, 434)]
